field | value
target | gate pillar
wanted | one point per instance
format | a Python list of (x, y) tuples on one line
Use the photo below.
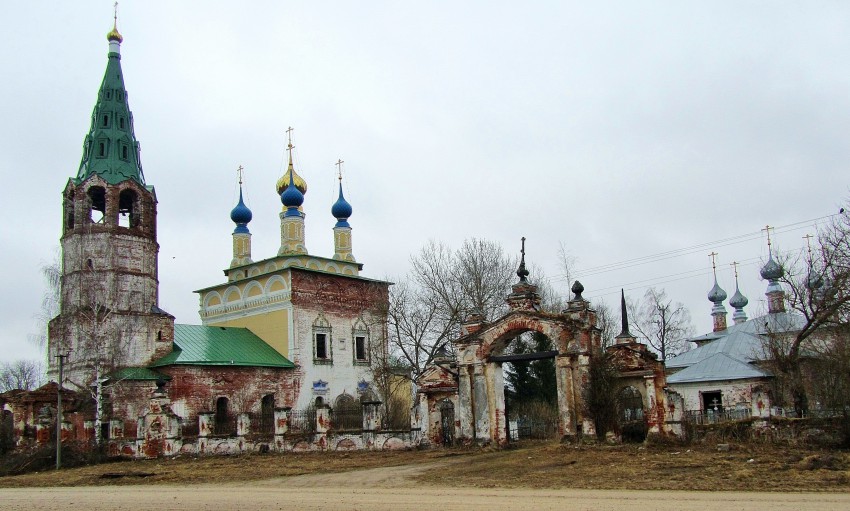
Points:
[(495, 378), (480, 403), (464, 399), (565, 395)]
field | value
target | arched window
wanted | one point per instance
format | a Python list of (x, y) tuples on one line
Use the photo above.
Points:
[(360, 341), (322, 347), (267, 414), (69, 210), (224, 425), (97, 204), (128, 205), (630, 404), (347, 413)]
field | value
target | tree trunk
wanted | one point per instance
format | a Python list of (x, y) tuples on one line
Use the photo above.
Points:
[(98, 406)]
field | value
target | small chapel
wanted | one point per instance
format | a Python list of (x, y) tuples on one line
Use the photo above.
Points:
[(286, 332)]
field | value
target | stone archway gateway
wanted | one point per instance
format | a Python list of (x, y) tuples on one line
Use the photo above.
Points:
[(481, 393)]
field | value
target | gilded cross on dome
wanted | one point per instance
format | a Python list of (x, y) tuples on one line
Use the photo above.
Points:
[(713, 255), (339, 168)]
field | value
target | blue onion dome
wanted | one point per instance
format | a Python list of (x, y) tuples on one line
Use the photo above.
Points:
[(717, 294), (772, 270), (739, 301), (292, 199), (341, 210), (241, 214)]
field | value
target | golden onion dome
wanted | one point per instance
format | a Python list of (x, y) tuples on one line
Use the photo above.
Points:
[(299, 182), (114, 35)]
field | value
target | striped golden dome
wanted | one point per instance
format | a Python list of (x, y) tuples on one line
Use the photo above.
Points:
[(299, 182)]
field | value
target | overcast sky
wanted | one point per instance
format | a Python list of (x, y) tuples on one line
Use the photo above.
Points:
[(618, 129)]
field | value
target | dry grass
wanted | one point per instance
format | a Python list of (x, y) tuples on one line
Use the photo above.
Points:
[(532, 465), (743, 468)]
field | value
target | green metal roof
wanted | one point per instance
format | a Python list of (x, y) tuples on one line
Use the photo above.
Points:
[(110, 149), (220, 346), (136, 373)]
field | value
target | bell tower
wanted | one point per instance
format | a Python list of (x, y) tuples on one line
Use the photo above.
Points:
[(109, 312)]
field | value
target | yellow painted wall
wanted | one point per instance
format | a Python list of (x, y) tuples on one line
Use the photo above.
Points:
[(272, 327)]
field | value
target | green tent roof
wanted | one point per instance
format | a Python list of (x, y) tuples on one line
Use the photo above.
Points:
[(220, 346), (110, 149)]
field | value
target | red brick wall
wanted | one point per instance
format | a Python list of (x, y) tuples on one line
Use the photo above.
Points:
[(337, 294), (198, 387)]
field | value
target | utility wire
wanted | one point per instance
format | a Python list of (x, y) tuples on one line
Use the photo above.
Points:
[(680, 252)]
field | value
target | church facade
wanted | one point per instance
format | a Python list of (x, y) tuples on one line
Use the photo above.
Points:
[(290, 331)]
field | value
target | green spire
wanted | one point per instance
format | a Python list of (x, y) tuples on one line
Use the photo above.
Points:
[(110, 149)]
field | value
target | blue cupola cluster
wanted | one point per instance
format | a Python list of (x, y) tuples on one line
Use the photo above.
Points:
[(341, 210), (292, 199), (241, 215)]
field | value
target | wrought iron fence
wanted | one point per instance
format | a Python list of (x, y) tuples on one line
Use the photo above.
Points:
[(262, 423), (189, 427), (525, 427), (225, 425), (701, 417), (347, 418), (302, 421)]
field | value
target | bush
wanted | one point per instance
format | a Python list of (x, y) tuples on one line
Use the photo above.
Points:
[(600, 394), (41, 458)]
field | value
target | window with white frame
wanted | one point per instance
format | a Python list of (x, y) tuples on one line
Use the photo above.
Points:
[(322, 345), (360, 342)]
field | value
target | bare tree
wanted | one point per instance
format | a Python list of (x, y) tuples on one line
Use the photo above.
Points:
[(550, 300), (472, 279), (21, 374), (607, 321), (419, 326), (391, 378), (446, 287), (568, 263), (817, 289), (664, 324), (49, 309)]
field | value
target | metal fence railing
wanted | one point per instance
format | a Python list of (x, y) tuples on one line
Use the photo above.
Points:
[(347, 419), (524, 427), (302, 421), (189, 428), (225, 425), (702, 417), (262, 423)]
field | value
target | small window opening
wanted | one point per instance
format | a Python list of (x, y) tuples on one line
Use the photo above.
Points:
[(320, 401), (105, 122), (69, 211), (222, 417), (124, 152), (97, 202), (89, 264), (321, 345), (267, 414), (360, 348), (121, 123), (159, 335), (712, 402)]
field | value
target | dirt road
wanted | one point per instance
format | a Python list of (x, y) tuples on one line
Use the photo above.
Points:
[(394, 489)]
